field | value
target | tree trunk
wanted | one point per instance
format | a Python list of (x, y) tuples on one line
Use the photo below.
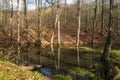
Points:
[(52, 38), (79, 21), (30, 68), (78, 57), (58, 12), (94, 22), (58, 58), (86, 20), (65, 12), (117, 19), (39, 22), (18, 29), (38, 43), (102, 22), (26, 30), (11, 26), (25, 21), (108, 44), (1, 18)]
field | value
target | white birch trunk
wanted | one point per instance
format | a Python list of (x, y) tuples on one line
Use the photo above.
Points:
[(18, 30), (58, 12), (79, 22)]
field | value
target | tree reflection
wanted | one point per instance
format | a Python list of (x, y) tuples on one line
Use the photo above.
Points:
[(58, 58), (78, 57)]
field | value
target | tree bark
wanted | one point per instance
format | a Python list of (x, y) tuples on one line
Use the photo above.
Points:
[(11, 26), (52, 38), (1, 19), (25, 21), (117, 19), (65, 12), (94, 22), (39, 22), (108, 44), (102, 22), (18, 28), (79, 21), (58, 17), (26, 30)]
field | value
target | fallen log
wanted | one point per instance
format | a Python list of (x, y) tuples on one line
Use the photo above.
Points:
[(30, 68)]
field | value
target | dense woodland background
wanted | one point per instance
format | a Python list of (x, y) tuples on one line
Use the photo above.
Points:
[(68, 18), (92, 18), (93, 24)]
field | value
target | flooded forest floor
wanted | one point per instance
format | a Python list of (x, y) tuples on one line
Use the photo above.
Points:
[(64, 63)]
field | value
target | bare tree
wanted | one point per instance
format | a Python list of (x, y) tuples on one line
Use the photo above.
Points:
[(86, 19), (94, 22), (26, 30), (108, 44), (39, 2), (65, 12), (117, 19), (58, 58), (18, 27), (79, 20), (1, 16), (25, 20), (102, 20), (53, 33), (58, 18), (11, 26), (38, 42)]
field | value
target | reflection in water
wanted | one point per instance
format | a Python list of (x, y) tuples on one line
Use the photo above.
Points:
[(53, 52), (106, 71), (58, 58), (39, 55), (78, 57), (50, 71)]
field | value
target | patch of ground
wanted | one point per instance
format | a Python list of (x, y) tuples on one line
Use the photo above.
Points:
[(9, 71), (66, 39)]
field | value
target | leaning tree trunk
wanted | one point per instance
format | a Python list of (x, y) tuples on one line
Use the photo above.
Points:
[(11, 26), (108, 44), (79, 21), (53, 33)]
